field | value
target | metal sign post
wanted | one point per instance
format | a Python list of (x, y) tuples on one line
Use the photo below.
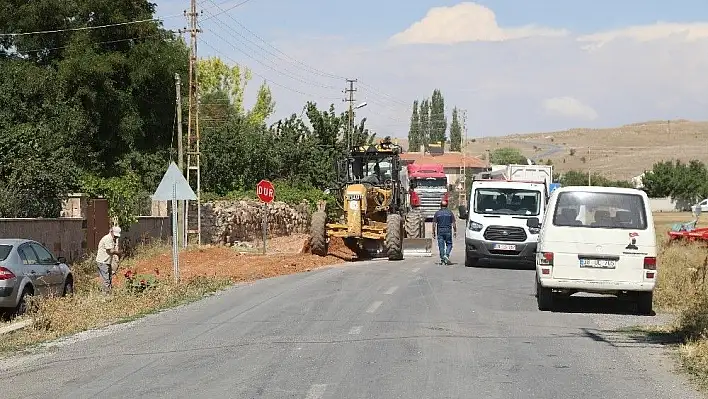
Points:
[(266, 193), (174, 187)]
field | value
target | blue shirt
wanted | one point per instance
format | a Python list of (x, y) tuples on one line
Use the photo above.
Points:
[(444, 219)]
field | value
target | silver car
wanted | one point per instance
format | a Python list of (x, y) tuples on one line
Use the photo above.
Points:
[(29, 268)]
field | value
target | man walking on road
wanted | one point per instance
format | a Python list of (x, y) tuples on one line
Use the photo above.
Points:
[(445, 228), (107, 248)]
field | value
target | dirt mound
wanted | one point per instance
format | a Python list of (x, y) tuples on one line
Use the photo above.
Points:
[(336, 247), (226, 262)]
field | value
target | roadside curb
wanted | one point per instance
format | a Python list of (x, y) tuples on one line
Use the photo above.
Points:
[(15, 326)]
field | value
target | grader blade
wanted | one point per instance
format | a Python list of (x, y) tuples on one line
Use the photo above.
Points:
[(417, 247)]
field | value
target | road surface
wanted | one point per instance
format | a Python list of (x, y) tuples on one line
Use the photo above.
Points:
[(410, 329)]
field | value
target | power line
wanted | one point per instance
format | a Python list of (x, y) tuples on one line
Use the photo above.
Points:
[(292, 59), (249, 55), (266, 79), (222, 10), (86, 27)]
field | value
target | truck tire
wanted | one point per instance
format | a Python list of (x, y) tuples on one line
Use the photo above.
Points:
[(318, 234), (415, 224), (394, 237)]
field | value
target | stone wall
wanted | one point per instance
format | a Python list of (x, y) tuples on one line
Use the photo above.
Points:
[(226, 222)]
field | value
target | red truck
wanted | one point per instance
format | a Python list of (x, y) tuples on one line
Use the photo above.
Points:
[(426, 185)]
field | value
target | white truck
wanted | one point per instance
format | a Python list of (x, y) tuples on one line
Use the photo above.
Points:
[(499, 206)]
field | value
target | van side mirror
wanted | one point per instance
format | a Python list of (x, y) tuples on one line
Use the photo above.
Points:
[(533, 223), (61, 259), (464, 214)]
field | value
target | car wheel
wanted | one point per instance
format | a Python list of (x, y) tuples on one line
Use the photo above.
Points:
[(22, 303), (68, 287)]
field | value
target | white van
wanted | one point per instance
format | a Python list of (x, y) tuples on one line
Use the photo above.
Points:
[(497, 227), (598, 240)]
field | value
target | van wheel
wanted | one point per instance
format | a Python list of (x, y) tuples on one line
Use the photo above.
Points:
[(544, 297), (645, 302)]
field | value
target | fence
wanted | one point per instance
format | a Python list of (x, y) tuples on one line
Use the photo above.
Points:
[(68, 237)]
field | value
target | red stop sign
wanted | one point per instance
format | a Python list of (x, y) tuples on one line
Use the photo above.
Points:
[(265, 191)]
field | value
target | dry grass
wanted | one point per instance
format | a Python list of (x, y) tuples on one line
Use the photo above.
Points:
[(617, 153), (88, 308), (202, 271), (682, 287)]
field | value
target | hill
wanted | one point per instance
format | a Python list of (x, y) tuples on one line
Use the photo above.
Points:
[(617, 153)]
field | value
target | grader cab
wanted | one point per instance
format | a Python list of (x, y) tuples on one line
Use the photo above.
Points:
[(373, 201)]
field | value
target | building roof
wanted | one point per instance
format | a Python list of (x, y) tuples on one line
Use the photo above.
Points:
[(448, 159)]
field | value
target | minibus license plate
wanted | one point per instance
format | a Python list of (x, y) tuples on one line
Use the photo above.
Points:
[(505, 247), (598, 263)]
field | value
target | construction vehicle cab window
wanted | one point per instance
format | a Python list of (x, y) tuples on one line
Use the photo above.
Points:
[(374, 216)]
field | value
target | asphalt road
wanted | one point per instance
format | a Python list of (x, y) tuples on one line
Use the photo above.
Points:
[(409, 329)]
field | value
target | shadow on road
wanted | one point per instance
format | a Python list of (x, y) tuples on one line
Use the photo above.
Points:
[(634, 337), (595, 304)]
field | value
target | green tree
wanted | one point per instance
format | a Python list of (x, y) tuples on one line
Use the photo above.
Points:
[(685, 182), (507, 156), (424, 115), (219, 81), (264, 107), (455, 132), (579, 178), (438, 120), (414, 141)]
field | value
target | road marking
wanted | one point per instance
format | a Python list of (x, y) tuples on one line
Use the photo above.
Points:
[(391, 290), (416, 270), (373, 307), (316, 391), (355, 330)]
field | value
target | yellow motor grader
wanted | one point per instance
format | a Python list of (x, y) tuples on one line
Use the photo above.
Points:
[(375, 206)]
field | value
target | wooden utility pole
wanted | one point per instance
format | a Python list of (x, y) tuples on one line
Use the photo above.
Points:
[(193, 139), (350, 90), (463, 172), (181, 236)]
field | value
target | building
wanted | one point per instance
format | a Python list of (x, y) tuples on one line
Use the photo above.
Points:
[(452, 162)]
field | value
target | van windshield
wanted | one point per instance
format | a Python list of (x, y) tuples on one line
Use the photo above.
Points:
[(600, 210), (507, 201)]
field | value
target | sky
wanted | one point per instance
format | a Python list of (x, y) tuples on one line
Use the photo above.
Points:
[(514, 66)]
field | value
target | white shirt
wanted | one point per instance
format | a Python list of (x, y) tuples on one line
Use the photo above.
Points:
[(106, 243)]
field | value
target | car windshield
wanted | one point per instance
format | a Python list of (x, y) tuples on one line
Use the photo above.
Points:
[(600, 210), (5, 251), (431, 182), (507, 201)]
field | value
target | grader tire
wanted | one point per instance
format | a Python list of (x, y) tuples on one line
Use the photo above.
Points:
[(415, 224), (318, 234), (394, 237)]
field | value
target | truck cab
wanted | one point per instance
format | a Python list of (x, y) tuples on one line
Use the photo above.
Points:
[(497, 220), (427, 186)]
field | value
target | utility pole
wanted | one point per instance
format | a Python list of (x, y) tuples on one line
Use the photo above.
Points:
[(350, 90), (181, 236), (193, 139), (463, 171)]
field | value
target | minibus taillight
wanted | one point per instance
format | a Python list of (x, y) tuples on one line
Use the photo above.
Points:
[(546, 259), (649, 263)]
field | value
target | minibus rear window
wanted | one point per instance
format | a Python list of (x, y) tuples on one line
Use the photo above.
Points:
[(600, 210)]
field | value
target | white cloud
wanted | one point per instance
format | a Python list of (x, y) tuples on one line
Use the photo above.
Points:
[(639, 73), (647, 33), (569, 107), (465, 22)]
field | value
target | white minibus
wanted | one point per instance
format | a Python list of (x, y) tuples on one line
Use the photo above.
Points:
[(596, 240)]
